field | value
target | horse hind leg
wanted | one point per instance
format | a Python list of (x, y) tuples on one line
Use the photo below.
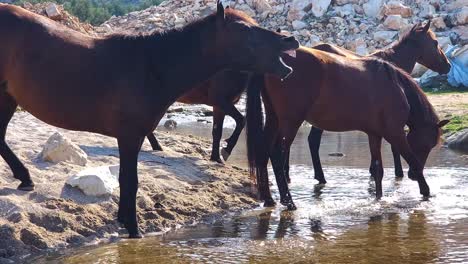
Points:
[(315, 137), (217, 133), (415, 167), (154, 142), (7, 109), (375, 144), (232, 111)]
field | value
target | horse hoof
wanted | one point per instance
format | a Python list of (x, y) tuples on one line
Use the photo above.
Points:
[(135, 235), (225, 154), (269, 203), (157, 149), (26, 186), (322, 181), (218, 160), (291, 207)]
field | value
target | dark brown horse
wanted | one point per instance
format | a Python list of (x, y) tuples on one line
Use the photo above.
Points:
[(222, 95), (338, 94), (418, 45), (120, 86)]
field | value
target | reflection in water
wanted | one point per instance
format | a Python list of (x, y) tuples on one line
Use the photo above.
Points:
[(339, 222)]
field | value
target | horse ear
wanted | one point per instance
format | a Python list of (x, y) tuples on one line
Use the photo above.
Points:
[(220, 16), (427, 26), (443, 123)]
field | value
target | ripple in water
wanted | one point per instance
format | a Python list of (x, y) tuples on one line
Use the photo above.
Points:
[(337, 223)]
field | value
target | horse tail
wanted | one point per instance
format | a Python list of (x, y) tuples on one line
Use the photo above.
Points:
[(420, 107), (256, 149)]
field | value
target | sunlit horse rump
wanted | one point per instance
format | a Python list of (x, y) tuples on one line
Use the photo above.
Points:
[(120, 86)]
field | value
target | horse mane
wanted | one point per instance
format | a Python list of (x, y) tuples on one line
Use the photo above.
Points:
[(231, 15), (421, 110)]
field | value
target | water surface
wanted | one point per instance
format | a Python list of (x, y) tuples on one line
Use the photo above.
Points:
[(337, 223)]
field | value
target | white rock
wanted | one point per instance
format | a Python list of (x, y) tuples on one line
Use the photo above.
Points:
[(372, 8), (298, 9), (359, 46), (444, 42), (427, 11), (418, 70), (97, 181), (314, 40), (344, 2), (58, 148), (260, 5), (319, 7), (384, 36), (396, 8), (452, 5), (461, 17), (298, 25), (459, 140), (438, 23), (395, 22), (345, 10), (53, 12)]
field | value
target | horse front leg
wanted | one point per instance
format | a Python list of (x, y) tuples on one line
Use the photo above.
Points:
[(397, 161), (217, 133), (154, 142), (129, 147)]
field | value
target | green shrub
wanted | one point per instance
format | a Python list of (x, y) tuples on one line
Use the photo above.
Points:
[(96, 12)]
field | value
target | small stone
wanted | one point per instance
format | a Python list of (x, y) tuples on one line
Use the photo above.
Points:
[(396, 8), (427, 11), (384, 36), (438, 23), (53, 12), (336, 154), (395, 22), (97, 181), (372, 7), (298, 25), (59, 148), (170, 124)]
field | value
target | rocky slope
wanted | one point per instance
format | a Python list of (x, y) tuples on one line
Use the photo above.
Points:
[(358, 25)]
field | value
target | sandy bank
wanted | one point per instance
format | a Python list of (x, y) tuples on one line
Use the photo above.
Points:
[(178, 186)]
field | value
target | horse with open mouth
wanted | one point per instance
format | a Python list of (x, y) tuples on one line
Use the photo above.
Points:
[(120, 86)]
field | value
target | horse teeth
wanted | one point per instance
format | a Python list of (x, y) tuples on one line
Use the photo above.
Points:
[(291, 53)]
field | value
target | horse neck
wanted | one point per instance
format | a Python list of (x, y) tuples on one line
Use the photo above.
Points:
[(402, 55), (183, 59)]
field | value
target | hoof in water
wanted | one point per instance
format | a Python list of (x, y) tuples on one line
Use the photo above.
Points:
[(291, 207), (399, 174), (27, 187), (269, 203), (136, 235), (225, 154), (322, 181)]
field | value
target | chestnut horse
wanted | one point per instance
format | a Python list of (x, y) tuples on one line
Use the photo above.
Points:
[(222, 95), (338, 94), (120, 86), (418, 45)]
